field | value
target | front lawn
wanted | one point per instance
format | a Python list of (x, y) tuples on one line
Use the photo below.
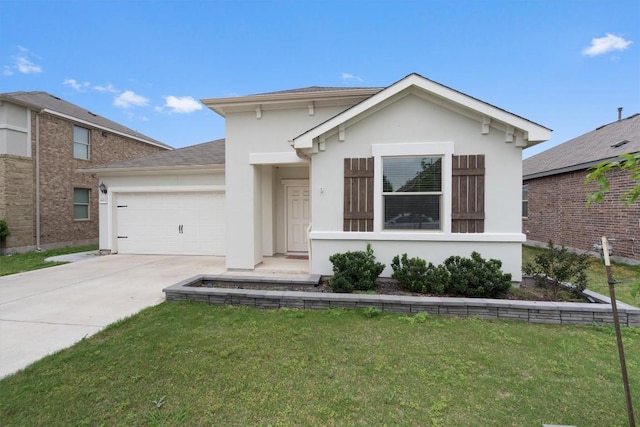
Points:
[(196, 364), (18, 263)]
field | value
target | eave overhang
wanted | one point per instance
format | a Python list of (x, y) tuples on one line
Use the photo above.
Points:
[(152, 170), (223, 106)]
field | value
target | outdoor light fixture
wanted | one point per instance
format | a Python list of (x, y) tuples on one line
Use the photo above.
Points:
[(103, 188)]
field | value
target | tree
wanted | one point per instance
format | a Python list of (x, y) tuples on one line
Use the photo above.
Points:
[(627, 162)]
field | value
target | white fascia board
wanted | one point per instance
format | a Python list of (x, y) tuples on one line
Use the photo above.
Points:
[(152, 170), (110, 130), (275, 158), (533, 131), (306, 139), (239, 103)]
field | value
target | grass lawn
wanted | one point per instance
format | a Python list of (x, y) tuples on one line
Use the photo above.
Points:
[(196, 364), (12, 264), (626, 275)]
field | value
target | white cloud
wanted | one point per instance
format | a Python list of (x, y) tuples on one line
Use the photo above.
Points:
[(22, 63), (75, 85), (27, 67), (606, 44), (128, 99), (349, 76), (108, 88), (184, 104)]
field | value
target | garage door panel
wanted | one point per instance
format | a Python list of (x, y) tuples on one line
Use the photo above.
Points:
[(151, 223)]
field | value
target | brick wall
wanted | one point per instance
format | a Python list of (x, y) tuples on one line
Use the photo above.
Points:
[(58, 177), (16, 196), (557, 212)]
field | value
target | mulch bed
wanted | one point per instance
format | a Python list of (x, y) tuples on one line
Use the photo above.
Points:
[(525, 292)]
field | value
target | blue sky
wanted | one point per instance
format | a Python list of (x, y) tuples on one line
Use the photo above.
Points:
[(567, 65)]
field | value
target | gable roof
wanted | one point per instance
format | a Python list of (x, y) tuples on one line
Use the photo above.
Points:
[(46, 102), (208, 155), (533, 132), (585, 151)]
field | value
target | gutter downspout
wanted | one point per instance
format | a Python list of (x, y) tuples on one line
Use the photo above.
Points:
[(37, 159)]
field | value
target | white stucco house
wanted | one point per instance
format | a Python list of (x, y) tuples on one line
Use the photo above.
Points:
[(415, 167)]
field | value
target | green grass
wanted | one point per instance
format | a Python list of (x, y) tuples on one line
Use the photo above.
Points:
[(626, 275), (18, 263), (196, 364)]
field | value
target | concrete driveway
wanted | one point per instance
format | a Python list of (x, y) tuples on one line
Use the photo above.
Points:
[(46, 310)]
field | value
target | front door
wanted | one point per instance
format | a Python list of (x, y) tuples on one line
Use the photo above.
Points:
[(297, 218)]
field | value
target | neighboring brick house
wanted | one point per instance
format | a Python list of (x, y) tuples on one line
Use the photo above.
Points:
[(44, 140), (554, 193)]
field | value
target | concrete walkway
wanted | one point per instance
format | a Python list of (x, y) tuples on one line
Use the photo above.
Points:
[(46, 310)]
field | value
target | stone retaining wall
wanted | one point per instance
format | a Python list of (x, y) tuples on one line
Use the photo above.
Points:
[(528, 311)]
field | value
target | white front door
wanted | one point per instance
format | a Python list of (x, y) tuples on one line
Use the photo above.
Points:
[(297, 218)]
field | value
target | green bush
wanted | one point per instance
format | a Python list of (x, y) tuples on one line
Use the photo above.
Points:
[(355, 271), (555, 266), (415, 275), (476, 277), (4, 229)]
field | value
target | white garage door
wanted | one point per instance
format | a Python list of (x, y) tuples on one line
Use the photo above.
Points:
[(170, 223)]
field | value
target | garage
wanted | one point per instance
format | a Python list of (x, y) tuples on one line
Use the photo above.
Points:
[(172, 223)]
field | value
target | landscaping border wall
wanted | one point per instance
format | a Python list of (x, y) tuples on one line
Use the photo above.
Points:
[(528, 311)]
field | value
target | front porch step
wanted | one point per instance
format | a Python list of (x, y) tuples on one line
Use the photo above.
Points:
[(258, 277)]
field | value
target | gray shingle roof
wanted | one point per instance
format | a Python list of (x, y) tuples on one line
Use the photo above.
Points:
[(205, 154), (605, 142), (44, 100)]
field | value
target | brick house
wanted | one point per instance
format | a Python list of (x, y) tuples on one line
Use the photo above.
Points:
[(44, 140), (554, 194)]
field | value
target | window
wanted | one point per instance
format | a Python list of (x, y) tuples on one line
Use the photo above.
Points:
[(81, 203), (412, 192), (80, 143), (525, 200)]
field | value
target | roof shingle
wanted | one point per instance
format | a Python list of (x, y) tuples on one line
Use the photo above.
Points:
[(205, 154), (605, 142), (44, 100)]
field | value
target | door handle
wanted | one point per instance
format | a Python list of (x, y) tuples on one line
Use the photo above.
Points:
[(180, 230)]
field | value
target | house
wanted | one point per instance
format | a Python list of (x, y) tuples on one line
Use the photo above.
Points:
[(555, 196), (415, 167), (43, 141)]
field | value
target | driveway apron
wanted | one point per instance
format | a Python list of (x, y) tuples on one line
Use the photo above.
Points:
[(46, 310)]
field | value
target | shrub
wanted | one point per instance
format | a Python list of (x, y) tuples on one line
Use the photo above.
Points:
[(556, 266), (476, 277), (415, 275), (355, 271), (4, 229)]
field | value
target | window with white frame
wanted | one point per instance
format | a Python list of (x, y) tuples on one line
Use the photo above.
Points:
[(81, 197), (525, 200), (80, 143), (412, 192)]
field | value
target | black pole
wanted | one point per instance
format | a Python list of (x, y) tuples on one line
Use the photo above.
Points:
[(616, 321)]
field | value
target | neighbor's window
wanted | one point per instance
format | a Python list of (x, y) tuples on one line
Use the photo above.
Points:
[(412, 192), (525, 200), (80, 143), (81, 203)]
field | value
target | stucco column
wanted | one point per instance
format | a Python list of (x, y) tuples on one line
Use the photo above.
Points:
[(242, 196)]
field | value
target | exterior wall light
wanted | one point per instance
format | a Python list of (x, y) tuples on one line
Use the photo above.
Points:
[(103, 188)]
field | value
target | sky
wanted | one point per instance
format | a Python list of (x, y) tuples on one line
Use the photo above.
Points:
[(567, 65)]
